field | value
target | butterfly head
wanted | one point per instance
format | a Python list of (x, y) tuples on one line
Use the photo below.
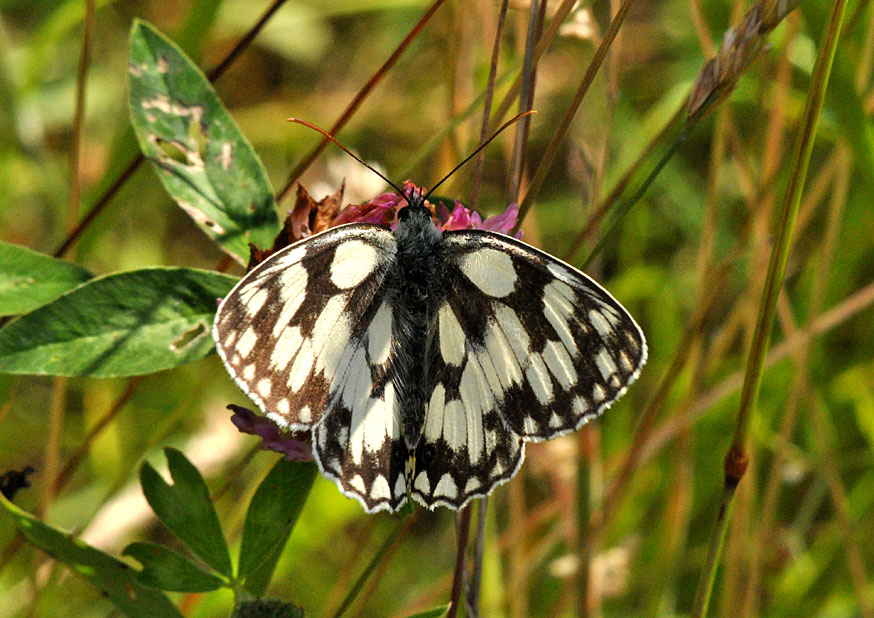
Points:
[(415, 206)]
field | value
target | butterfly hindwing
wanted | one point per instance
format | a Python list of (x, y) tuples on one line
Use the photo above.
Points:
[(526, 348)]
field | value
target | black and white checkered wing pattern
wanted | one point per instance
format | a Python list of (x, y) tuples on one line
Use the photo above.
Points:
[(526, 348), (308, 336)]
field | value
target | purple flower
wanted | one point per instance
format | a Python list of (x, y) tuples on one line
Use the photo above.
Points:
[(504, 222), (272, 437), (383, 210)]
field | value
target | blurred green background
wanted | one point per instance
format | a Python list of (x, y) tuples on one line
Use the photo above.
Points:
[(799, 543)]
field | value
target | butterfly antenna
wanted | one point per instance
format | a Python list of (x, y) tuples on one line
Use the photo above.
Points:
[(511, 121), (352, 154)]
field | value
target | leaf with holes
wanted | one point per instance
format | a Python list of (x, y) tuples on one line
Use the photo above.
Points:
[(29, 279), (116, 580), (204, 161), (124, 324)]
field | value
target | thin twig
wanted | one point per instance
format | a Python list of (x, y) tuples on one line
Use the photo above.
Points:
[(559, 135), (526, 97), (487, 104), (390, 540), (357, 100)]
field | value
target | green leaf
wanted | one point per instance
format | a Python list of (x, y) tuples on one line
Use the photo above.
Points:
[(186, 509), (116, 580), (199, 153), (123, 324), (434, 612), (274, 510), (29, 279), (166, 569)]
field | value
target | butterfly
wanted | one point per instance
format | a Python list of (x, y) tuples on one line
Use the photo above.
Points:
[(422, 360)]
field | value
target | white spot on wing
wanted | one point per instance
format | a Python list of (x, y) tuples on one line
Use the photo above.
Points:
[(303, 365), (400, 486), (422, 483), (292, 290), (380, 489), (305, 415), (472, 485), (502, 356), (539, 379), (490, 270), (454, 425), (247, 341), (356, 371), (379, 335), (249, 372), (446, 487), (330, 335), (530, 426), (600, 323), (474, 396), (515, 333), (263, 387), (559, 313), (283, 407), (598, 393), (559, 363), (286, 347), (605, 364), (257, 301), (357, 483), (452, 340), (353, 261), (434, 415)]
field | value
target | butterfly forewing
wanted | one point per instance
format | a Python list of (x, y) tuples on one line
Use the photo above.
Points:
[(289, 330), (526, 348)]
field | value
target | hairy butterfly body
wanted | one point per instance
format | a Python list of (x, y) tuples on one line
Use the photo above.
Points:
[(423, 361)]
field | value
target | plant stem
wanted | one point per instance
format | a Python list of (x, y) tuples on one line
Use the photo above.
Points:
[(463, 527), (736, 459), (371, 566)]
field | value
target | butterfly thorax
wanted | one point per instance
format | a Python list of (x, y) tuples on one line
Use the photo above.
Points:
[(416, 282)]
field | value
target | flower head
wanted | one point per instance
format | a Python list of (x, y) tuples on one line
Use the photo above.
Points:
[(272, 437), (383, 210)]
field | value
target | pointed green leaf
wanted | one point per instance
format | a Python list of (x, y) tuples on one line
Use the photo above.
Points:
[(199, 153), (274, 510), (187, 510), (166, 569), (434, 612), (29, 279), (112, 577), (124, 324)]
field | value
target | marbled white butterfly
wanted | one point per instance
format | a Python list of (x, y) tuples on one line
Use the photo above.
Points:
[(423, 361)]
